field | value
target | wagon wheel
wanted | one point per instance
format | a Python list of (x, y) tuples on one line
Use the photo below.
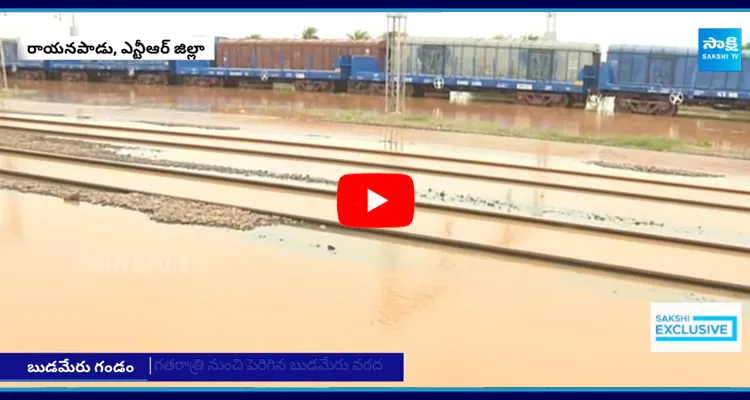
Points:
[(376, 89), (409, 91), (320, 86), (326, 87), (622, 106), (560, 100), (305, 86), (669, 110)]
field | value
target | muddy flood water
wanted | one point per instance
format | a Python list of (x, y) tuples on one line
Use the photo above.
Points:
[(152, 105), (93, 279), (719, 133)]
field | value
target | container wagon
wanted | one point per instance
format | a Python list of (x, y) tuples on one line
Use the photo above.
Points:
[(537, 73), (643, 79), (658, 80), (549, 74), (296, 57), (31, 70)]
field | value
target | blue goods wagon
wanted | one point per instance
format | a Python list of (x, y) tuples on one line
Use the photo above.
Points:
[(145, 72), (538, 73), (658, 80), (33, 70), (643, 79)]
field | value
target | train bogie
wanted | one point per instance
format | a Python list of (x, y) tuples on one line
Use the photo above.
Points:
[(524, 60), (531, 72), (644, 79), (10, 54), (32, 70), (658, 80)]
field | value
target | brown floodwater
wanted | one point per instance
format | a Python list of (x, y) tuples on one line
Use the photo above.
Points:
[(570, 156), (719, 133), (93, 279)]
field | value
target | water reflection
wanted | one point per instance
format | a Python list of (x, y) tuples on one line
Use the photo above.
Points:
[(11, 222), (394, 141), (569, 121), (464, 319), (542, 155), (410, 289)]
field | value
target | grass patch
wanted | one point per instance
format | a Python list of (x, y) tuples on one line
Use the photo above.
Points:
[(709, 113), (15, 93), (361, 117), (635, 142)]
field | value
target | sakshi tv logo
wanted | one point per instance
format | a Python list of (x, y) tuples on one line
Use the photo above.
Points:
[(696, 327), (719, 49)]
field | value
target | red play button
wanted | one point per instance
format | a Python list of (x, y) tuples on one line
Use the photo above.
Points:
[(375, 200)]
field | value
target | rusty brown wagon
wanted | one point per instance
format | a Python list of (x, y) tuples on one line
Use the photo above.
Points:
[(316, 54)]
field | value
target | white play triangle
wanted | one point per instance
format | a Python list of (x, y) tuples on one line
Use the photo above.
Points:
[(374, 200)]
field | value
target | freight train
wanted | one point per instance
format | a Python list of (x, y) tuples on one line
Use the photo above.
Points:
[(642, 79)]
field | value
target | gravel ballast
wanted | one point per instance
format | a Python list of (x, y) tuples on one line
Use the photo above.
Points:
[(159, 208), (107, 151), (651, 169)]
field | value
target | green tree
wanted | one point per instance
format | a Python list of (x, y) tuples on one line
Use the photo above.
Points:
[(310, 33), (746, 46), (359, 34), (254, 36)]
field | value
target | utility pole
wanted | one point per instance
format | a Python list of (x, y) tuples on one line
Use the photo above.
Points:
[(73, 26), (395, 87)]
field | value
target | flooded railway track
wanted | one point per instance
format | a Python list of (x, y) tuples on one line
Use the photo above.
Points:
[(634, 253), (667, 190)]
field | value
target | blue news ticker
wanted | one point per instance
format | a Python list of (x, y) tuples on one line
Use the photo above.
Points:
[(202, 367), (705, 318)]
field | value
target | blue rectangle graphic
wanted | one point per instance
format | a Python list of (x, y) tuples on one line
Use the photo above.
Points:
[(203, 367), (719, 49), (705, 318)]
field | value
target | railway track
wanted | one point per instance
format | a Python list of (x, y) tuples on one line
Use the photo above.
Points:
[(672, 191), (667, 258)]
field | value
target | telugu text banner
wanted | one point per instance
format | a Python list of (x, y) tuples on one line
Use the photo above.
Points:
[(106, 49), (203, 367)]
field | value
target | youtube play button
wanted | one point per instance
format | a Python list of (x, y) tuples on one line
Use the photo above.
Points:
[(375, 200)]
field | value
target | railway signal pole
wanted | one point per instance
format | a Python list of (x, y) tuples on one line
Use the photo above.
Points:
[(395, 88)]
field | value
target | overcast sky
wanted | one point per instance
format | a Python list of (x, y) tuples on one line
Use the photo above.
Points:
[(666, 29)]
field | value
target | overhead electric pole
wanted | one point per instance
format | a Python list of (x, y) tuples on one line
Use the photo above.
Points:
[(72, 28), (2, 60), (551, 31), (395, 87)]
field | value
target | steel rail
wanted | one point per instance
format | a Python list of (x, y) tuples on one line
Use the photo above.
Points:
[(340, 155), (675, 259)]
